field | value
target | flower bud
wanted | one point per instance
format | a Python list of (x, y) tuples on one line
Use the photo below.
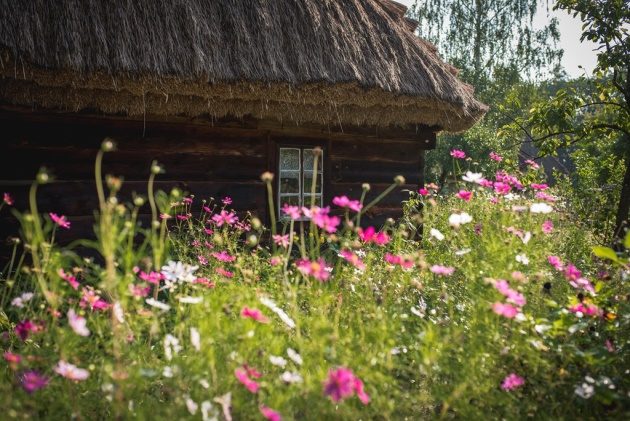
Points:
[(108, 145), (256, 224), (156, 168), (42, 176), (366, 186), (267, 177), (399, 180), (138, 201)]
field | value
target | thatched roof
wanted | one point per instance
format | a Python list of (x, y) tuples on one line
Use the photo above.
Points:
[(339, 61)]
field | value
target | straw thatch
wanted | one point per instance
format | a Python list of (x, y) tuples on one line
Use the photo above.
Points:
[(339, 61)]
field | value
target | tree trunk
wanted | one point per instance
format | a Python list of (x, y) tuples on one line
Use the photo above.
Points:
[(623, 209)]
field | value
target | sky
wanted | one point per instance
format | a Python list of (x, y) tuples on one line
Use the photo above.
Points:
[(575, 53)]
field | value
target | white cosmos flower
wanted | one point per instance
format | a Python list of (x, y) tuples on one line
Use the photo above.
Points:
[(171, 346), (540, 208), (525, 238), (157, 304), (472, 177), (208, 412), (191, 406), (226, 403), (78, 323), (190, 300), (267, 302), (522, 258), (277, 361), (118, 312), (294, 356), (195, 338), (457, 219), (22, 299), (289, 377), (436, 234), (167, 372), (585, 391), (178, 272), (463, 251)]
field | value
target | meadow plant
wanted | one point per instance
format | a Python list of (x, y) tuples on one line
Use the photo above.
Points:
[(485, 302)]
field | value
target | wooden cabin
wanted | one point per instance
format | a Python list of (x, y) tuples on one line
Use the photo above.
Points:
[(219, 92)]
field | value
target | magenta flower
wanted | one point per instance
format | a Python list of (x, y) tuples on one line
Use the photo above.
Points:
[(78, 323), (281, 240), (241, 376), (205, 282), (12, 358), (320, 217), (317, 269), (512, 381), (32, 381), (352, 259), (531, 164), (342, 383), (139, 290), (254, 314), (582, 283), (227, 200), (465, 195), (206, 209), (442, 270), (223, 256), (292, 212), (225, 273), (585, 309), (547, 227), (537, 186), (501, 187), (512, 296), (60, 220), (68, 278), (544, 196), (225, 217), (187, 200), (496, 157), (269, 413), (24, 328), (555, 262), (344, 202), (423, 192), (92, 300), (458, 154), (393, 259), (369, 235), (6, 198), (183, 217), (505, 310), (151, 277), (71, 371), (571, 272), (208, 231)]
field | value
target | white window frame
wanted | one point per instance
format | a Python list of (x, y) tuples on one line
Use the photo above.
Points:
[(302, 194)]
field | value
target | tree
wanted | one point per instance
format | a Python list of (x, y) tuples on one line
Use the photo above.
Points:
[(599, 115), (483, 36)]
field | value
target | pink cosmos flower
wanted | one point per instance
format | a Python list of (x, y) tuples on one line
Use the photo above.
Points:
[(227, 200), (165, 216), (582, 283), (195, 243), (496, 157), (223, 256), (571, 272), (537, 186), (252, 372), (208, 231), (423, 192), (393, 259), (205, 282), (184, 217), (512, 296), (60, 220), (585, 309), (243, 226), (505, 310), (71, 371), (206, 209), (320, 217), (225, 217), (24, 328), (465, 195), (555, 262), (292, 212), (92, 300), (317, 269), (501, 187), (281, 240), (369, 235), (344, 202), (458, 154), (442, 270), (78, 323), (512, 381), (485, 183), (547, 227), (139, 290), (6, 198), (12, 358), (241, 376), (187, 200), (225, 273), (254, 314), (275, 261), (202, 260), (151, 277), (32, 381), (269, 413), (68, 278), (352, 259), (342, 383), (544, 196), (531, 164)]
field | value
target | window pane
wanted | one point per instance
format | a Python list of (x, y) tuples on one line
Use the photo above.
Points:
[(308, 182), (289, 200), (308, 160), (289, 159), (318, 200), (290, 182)]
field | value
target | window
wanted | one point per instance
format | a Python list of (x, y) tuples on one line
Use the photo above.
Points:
[(296, 177)]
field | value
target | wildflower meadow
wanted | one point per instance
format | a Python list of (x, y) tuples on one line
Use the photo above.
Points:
[(487, 299)]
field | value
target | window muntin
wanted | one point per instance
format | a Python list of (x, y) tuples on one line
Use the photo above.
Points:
[(296, 176)]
